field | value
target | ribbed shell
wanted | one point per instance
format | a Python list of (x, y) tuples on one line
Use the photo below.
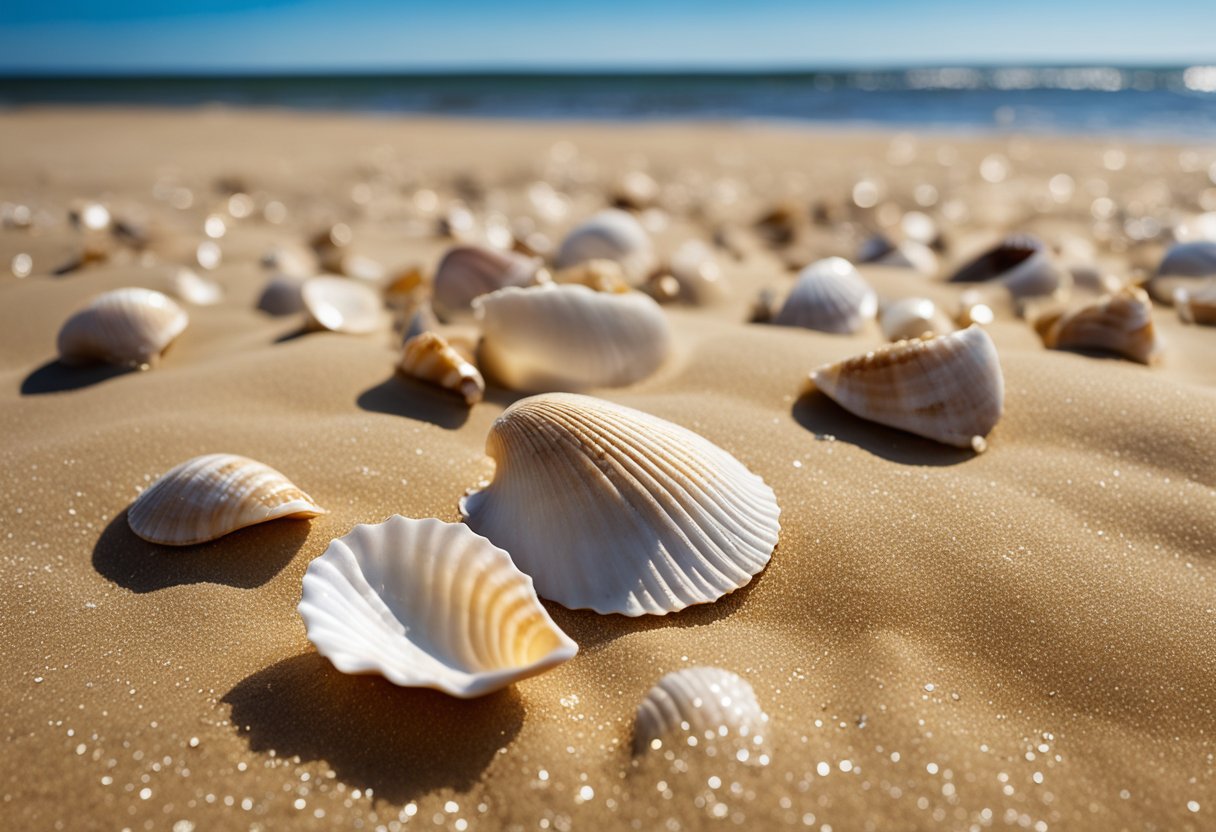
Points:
[(1185, 266), (614, 510), (1121, 323), (209, 496), (428, 604), (610, 235), (1197, 306), (428, 357), (949, 388), (468, 272), (1021, 263), (715, 706), (912, 318), (283, 295), (342, 305), (570, 338), (829, 296), (127, 327)]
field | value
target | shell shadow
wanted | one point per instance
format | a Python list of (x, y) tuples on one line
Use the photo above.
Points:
[(401, 396), (822, 416), (56, 377), (244, 559), (400, 742), (293, 334)]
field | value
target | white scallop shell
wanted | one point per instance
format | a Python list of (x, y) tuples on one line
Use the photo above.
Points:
[(1020, 263), (187, 285), (1121, 323), (612, 509), (428, 604), (429, 357), (283, 295), (610, 235), (128, 327), (570, 338), (912, 318), (1197, 306), (949, 388), (342, 305), (209, 496), (1185, 266), (467, 272), (702, 706), (829, 296)]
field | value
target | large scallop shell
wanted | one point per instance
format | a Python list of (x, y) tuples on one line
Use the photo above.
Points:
[(1197, 306), (428, 604), (610, 235), (949, 388), (912, 318), (618, 511), (830, 296), (468, 272), (128, 327), (209, 496), (428, 357), (342, 305), (1185, 266), (1121, 323), (702, 706), (569, 337), (1021, 263)]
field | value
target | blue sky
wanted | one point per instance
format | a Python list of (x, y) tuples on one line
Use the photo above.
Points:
[(265, 35)]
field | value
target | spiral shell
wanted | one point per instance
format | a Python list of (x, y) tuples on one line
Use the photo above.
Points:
[(209, 496), (467, 272), (829, 296), (1185, 266), (610, 235), (912, 318), (428, 604), (618, 511), (1121, 323), (127, 327), (428, 357), (704, 706), (341, 305)]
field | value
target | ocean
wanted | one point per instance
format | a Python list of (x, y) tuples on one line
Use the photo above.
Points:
[(1166, 103)]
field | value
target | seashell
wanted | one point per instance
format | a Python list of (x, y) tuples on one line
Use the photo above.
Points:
[(1197, 306), (618, 511), (829, 296), (704, 706), (187, 285), (283, 295), (421, 319), (430, 358), (610, 235), (362, 268), (1185, 266), (912, 318), (635, 189), (1121, 323), (1021, 263), (428, 604), (948, 388), (697, 274), (468, 272), (127, 327), (210, 496), (598, 275), (293, 260), (570, 338), (89, 216), (908, 254), (341, 305)]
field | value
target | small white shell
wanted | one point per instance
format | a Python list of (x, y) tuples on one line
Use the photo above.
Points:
[(127, 327), (467, 272), (292, 259), (570, 338), (612, 509), (1185, 266), (187, 285), (714, 706), (1197, 306), (283, 295), (428, 357), (1121, 323), (912, 318), (949, 388), (907, 254), (209, 496), (341, 305), (428, 604), (610, 235), (1020, 263), (830, 296), (698, 274), (599, 275)]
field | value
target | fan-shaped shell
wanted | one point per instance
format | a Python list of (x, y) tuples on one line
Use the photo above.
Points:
[(570, 337), (829, 296), (1197, 306), (618, 511), (1121, 323), (912, 318), (702, 706), (949, 388), (610, 235), (209, 496), (1021, 263), (283, 295), (1185, 266), (128, 327), (428, 604), (342, 305), (428, 357), (467, 272)]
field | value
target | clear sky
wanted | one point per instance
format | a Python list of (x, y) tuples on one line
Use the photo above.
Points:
[(321, 35)]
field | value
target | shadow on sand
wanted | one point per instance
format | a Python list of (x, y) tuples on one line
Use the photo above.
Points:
[(401, 396), (57, 377)]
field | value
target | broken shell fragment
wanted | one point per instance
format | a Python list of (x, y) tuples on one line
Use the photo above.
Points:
[(126, 327), (829, 296), (339, 304), (428, 357), (1121, 323), (467, 272), (706, 707), (610, 235)]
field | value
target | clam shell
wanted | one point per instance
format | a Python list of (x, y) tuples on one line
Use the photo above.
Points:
[(187, 285), (467, 272), (341, 305), (912, 318), (209, 496), (1021, 263), (283, 295), (570, 337), (698, 274), (704, 706), (127, 327), (907, 254), (1197, 306), (428, 357), (610, 235), (829, 296), (1185, 266), (949, 388), (618, 511), (428, 604), (1121, 323)]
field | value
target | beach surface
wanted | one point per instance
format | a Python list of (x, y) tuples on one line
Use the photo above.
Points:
[(1020, 638)]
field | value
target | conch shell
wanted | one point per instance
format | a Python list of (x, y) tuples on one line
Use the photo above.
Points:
[(1121, 323), (342, 305), (610, 235), (428, 357), (830, 296), (467, 272), (127, 327), (702, 706)]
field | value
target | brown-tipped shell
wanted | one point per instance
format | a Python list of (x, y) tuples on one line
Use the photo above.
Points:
[(126, 327), (1121, 323), (467, 272), (829, 296), (428, 357), (702, 707)]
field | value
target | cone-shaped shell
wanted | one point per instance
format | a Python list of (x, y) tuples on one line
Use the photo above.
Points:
[(912, 318), (467, 272), (1197, 306), (570, 338), (1185, 266), (342, 305), (949, 388), (829, 296), (209, 496), (705, 706), (428, 357), (127, 327), (283, 295), (610, 235), (618, 511), (428, 604), (1121, 323), (1020, 263)]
